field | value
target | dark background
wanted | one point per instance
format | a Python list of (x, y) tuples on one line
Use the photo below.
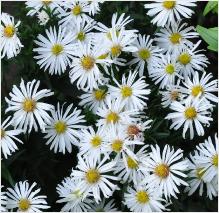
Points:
[(35, 162)]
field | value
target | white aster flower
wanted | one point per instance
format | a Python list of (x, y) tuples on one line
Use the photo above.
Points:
[(22, 198), (131, 170), (146, 54), (91, 143), (94, 178), (112, 112), (43, 17), (191, 112), (164, 71), (196, 179), (10, 43), (191, 59), (133, 92), (3, 200), (62, 128), (166, 12), (143, 198), (174, 38), (208, 158), (201, 87), (72, 196), (85, 65), (94, 6), (166, 170), (8, 137), (29, 112), (103, 206), (93, 99), (171, 93), (54, 52)]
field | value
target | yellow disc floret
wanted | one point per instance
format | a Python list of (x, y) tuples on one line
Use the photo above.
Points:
[(92, 176), (29, 105), (142, 197), (184, 58), (162, 170), (126, 91), (215, 160), (112, 117), (196, 90), (9, 31), (103, 56), (99, 94), (133, 130), (46, 2), (200, 172), (81, 36), (169, 4), (24, 204), (144, 54), (76, 10), (190, 113), (117, 145), (60, 127), (132, 164), (175, 38), (96, 141), (87, 62), (116, 50), (2, 133), (57, 49), (170, 69), (174, 95)]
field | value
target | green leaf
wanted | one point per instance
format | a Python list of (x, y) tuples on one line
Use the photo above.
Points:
[(7, 175), (211, 6), (210, 35)]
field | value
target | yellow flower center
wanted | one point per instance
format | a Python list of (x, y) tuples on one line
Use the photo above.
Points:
[(116, 50), (144, 54), (2, 133), (117, 145), (9, 31), (199, 172), (109, 36), (196, 90), (170, 69), (126, 91), (112, 117), (190, 113), (142, 197), (60, 127), (87, 62), (175, 38), (132, 164), (96, 141), (174, 95), (184, 58), (162, 170), (57, 49), (92, 176), (99, 94), (133, 130), (24, 204), (103, 56), (77, 193), (81, 36), (215, 160), (76, 10), (29, 105), (169, 4), (46, 2)]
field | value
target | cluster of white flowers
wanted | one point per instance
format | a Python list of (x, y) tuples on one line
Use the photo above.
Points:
[(113, 152)]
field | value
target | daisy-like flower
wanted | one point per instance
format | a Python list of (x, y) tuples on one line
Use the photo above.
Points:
[(91, 143), (72, 196), (174, 38), (37, 6), (133, 93), (196, 179), (29, 112), (103, 206), (62, 129), (94, 178), (131, 170), (8, 138), (166, 170), (146, 53), (94, 7), (172, 93), (73, 11), (3, 200), (112, 112), (54, 52), (201, 87), (10, 43), (164, 71), (191, 112), (22, 198), (166, 12), (93, 99), (85, 65), (143, 198), (208, 158), (191, 59), (43, 17)]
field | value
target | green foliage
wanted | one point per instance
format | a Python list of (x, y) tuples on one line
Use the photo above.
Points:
[(211, 6)]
